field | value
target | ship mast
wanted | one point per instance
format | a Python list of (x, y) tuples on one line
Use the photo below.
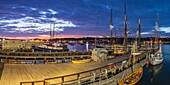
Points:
[(95, 42), (53, 30), (133, 54), (125, 27), (156, 35), (160, 46), (50, 31), (111, 28), (139, 34)]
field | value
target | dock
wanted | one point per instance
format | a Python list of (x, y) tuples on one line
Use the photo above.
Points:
[(53, 74)]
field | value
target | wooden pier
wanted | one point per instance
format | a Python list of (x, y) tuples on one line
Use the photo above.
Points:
[(65, 73)]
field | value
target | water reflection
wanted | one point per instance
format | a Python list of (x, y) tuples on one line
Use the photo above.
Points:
[(154, 71), (79, 47)]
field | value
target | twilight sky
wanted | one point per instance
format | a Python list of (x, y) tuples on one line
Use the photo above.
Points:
[(32, 18)]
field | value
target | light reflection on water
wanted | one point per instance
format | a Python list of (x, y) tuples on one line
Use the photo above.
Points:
[(78, 47)]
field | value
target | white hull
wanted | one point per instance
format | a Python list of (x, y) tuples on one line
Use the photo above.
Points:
[(157, 58), (156, 62)]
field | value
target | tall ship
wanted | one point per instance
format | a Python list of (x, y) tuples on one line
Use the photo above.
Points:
[(136, 73), (135, 76), (156, 58), (51, 48)]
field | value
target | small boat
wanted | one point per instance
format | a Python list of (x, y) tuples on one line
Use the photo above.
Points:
[(132, 78), (119, 50), (71, 44), (81, 61), (157, 58)]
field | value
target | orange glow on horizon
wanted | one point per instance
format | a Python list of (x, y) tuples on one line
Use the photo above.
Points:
[(48, 37)]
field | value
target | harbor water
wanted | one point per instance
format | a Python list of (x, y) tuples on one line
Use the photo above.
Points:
[(160, 74), (79, 47)]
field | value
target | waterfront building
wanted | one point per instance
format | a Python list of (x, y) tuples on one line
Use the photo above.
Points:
[(18, 45)]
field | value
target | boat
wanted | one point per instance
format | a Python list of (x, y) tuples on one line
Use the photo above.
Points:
[(132, 78), (81, 61), (136, 75), (51, 48), (71, 43), (82, 43), (118, 49), (156, 59)]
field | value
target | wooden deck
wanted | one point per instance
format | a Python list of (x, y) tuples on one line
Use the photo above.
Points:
[(13, 74)]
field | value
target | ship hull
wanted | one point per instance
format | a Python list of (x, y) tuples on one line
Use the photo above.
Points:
[(132, 78), (49, 49), (156, 62), (81, 61)]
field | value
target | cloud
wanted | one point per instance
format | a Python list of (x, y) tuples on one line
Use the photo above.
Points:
[(49, 11), (33, 8), (34, 25), (145, 33), (14, 7), (165, 29), (24, 7), (43, 12), (52, 11)]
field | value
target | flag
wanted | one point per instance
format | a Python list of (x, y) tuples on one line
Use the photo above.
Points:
[(111, 27), (137, 32)]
